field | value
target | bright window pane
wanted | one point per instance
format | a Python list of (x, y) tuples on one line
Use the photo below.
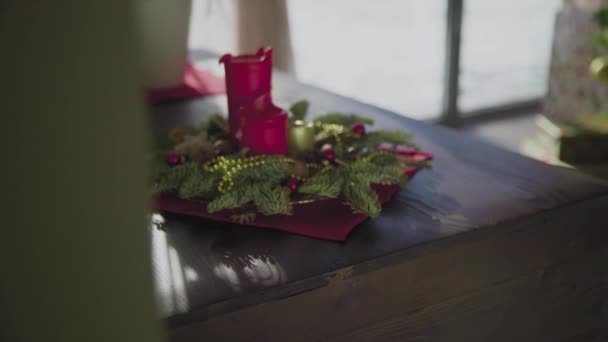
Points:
[(505, 51), (389, 53)]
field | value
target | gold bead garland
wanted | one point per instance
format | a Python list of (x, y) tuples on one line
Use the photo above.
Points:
[(377, 153), (334, 130), (330, 128), (229, 167)]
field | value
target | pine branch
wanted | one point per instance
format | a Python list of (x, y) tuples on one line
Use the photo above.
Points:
[(272, 170), (424, 164), (299, 110), (371, 140), (273, 200), (170, 179), (216, 124), (386, 168), (244, 218), (370, 173), (324, 184), (342, 119), (228, 200), (198, 185), (361, 198), (268, 198)]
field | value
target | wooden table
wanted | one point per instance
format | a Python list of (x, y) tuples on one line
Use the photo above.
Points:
[(487, 246)]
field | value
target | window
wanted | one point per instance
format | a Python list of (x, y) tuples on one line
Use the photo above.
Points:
[(388, 53), (409, 55), (505, 51)]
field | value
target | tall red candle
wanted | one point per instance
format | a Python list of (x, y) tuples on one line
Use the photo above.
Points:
[(247, 77), (255, 122)]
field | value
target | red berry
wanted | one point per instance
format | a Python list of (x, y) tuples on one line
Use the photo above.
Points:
[(292, 184), (173, 158), (358, 128), (329, 154)]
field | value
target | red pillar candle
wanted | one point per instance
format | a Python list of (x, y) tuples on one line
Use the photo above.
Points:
[(264, 128), (247, 77)]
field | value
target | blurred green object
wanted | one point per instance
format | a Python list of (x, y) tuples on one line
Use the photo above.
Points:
[(599, 68), (599, 65), (601, 17), (558, 143), (583, 139), (536, 149), (593, 124), (75, 256)]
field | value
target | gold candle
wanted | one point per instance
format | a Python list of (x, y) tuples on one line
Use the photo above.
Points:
[(300, 139)]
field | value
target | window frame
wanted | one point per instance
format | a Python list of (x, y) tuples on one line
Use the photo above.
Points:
[(450, 112)]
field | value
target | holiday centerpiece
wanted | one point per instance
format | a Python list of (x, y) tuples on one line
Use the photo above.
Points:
[(269, 167)]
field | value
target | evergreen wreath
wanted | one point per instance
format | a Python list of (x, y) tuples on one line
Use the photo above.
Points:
[(202, 164)]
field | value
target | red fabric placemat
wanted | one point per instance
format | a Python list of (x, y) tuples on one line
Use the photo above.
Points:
[(196, 83), (328, 219)]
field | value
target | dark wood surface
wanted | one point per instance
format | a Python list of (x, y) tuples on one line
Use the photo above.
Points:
[(481, 218)]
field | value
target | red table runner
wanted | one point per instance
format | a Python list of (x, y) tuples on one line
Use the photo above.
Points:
[(195, 83)]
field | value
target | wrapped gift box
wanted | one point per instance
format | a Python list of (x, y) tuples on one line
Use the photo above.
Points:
[(571, 89)]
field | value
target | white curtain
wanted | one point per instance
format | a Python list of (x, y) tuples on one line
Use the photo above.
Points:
[(242, 26), (265, 22)]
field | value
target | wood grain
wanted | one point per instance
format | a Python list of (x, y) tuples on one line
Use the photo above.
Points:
[(558, 303), (453, 276), (482, 216)]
